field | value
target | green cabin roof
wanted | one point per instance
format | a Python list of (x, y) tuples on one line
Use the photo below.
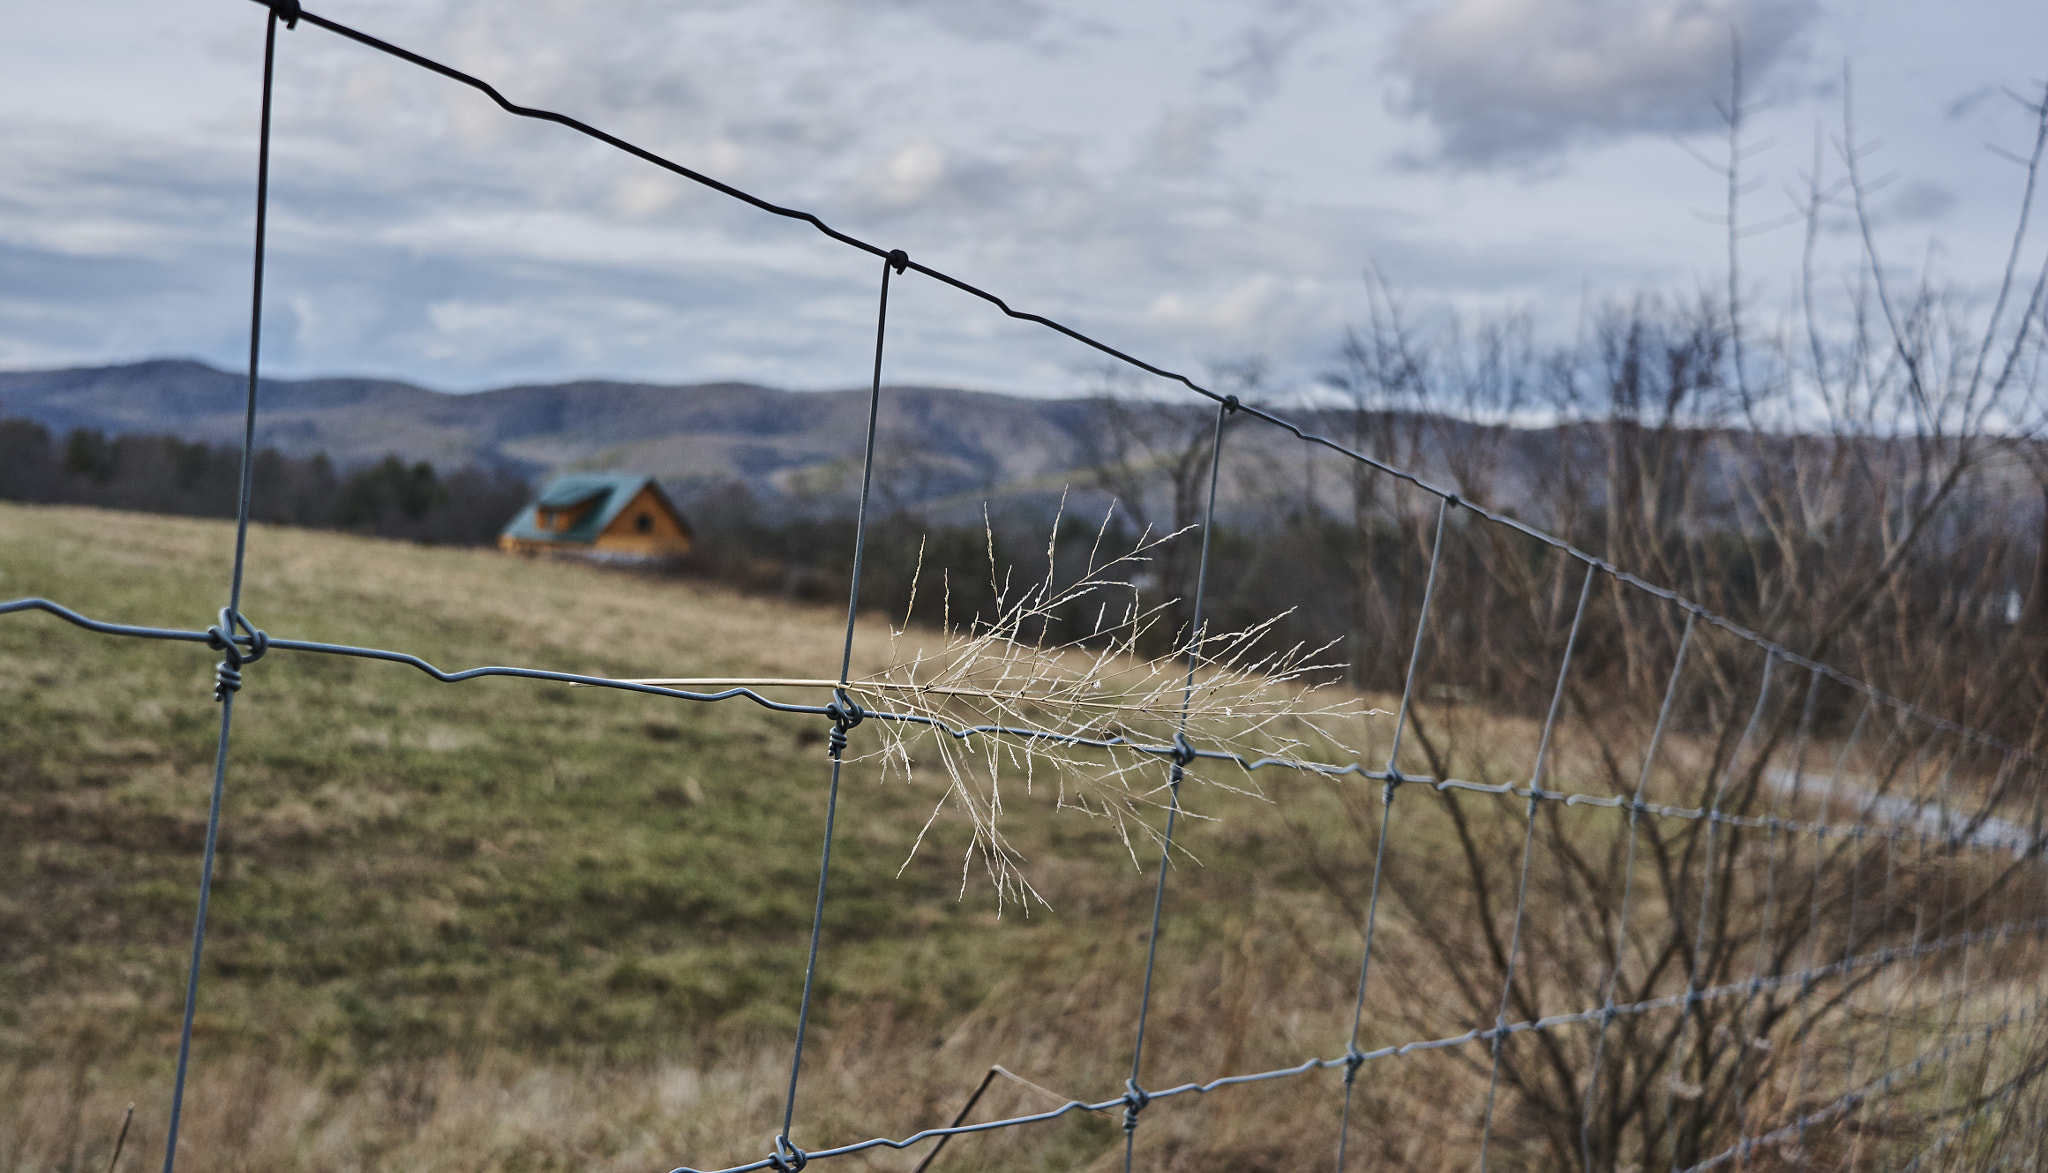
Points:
[(606, 493)]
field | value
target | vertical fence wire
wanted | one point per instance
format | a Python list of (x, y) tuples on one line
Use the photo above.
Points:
[(1135, 1096), (1775, 847), (1859, 834), (1507, 985), (1353, 1058), (1694, 1013), (1887, 909), (1628, 888), (1807, 1062), (1954, 999), (845, 715), (232, 627), (1972, 1088)]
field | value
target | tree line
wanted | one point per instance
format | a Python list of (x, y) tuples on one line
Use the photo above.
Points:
[(164, 474)]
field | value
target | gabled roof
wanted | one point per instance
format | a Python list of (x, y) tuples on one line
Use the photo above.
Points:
[(606, 493)]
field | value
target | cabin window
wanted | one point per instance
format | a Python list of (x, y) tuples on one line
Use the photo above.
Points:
[(644, 523)]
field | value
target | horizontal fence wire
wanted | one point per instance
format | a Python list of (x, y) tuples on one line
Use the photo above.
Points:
[(1965, 833), (1863, 853), (1876, 1087), (2035, 929), (1971, 1114)]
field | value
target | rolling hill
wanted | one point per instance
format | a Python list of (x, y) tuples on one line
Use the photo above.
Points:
[(505, 925), (776, 442)]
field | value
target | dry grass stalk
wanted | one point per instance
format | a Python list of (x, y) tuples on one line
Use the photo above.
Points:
[(1226, 691)]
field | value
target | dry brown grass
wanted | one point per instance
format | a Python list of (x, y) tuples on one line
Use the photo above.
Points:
[(493, 927)]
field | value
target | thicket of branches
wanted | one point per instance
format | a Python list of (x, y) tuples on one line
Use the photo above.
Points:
[(1860, 486), (1861, 483)]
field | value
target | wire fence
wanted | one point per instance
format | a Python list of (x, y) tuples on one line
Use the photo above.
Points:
[(1833, 949)]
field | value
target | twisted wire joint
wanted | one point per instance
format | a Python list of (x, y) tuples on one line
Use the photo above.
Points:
[(787, 1157), (221, 637), (845, 715), (1135, 1099)]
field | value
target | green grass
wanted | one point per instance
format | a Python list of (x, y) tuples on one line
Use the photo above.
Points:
[(407, 866), (411, 871), (514, 925)]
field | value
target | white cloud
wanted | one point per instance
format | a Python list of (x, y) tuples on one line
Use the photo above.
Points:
[(1252, 302), (912, 171), (1514, 81)]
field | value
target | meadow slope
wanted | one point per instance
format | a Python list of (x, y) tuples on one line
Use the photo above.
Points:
[(504, 924), (511, 925)]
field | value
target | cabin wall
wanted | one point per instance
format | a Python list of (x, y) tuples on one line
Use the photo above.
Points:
[(662, 537)]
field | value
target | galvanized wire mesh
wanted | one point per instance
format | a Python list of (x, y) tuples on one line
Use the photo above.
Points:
[(1817, 898)]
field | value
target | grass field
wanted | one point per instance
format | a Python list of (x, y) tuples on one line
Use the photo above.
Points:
[(505, 925)]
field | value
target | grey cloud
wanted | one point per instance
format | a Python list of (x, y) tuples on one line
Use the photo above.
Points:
[(1893, 205), (1517, 81), (418, 232), (1184, 142), (1921, 200), (1258, 54), (145, 252), (989, 20), (467, 318), (1963, 104), (943, 192)]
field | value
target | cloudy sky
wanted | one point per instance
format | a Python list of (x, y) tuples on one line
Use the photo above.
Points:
[(1201, 180)]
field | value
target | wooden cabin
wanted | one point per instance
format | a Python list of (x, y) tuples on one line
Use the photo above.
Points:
[(606, 517)]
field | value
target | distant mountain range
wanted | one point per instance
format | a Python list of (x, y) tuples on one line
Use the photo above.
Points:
[(946, 451), (949, 452), (779, 443)]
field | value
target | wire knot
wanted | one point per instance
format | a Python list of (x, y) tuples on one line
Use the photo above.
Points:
[(898, 259), (1353, 1059), (787, 1157), (286, 10), (1453, 500), (222, 637), (843, 711), (1183, 752), (1135, 1099), (1230, 404), (845, 715), (1395, 780)]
